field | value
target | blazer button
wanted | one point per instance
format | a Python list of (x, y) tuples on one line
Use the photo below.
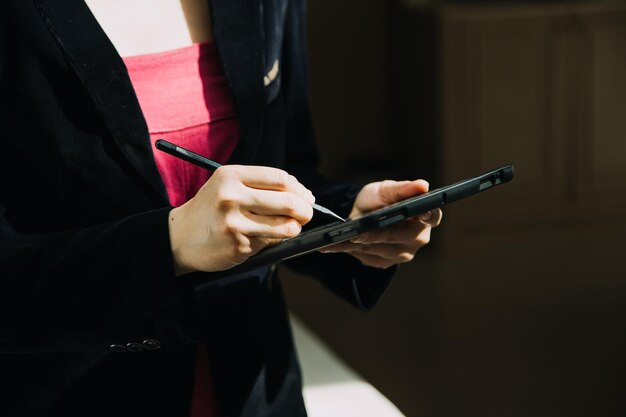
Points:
[(151, 344), (118, 348), (134, 347)]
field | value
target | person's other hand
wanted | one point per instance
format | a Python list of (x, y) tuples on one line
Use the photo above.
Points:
[(396, 244), (239, 211)]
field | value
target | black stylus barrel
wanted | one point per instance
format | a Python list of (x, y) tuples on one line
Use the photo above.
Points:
[(186, 155)]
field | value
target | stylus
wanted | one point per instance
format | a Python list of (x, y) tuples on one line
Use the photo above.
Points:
[(206, 163)]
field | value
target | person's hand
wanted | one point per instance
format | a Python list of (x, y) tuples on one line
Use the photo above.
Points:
[(397, 244), (239, 211)]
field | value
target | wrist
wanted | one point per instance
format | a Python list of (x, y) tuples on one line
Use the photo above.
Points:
[(175, 225)]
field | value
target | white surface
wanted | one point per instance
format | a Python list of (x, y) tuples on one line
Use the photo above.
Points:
[(331, 388)]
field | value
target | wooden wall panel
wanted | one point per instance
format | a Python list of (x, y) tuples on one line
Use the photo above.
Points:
[(568, 111), (508, 104), (496, 110), (545, 91), (608, 141)]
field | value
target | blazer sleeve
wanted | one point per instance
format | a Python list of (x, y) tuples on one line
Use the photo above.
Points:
[(89, 289), (341, 273)]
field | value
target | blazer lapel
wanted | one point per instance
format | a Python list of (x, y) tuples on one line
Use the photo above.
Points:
[(238, 33), (103, 74)]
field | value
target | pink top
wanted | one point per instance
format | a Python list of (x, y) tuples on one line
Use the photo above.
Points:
[(186, 100)]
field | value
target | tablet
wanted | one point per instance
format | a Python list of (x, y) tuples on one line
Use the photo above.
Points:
[(319, 237)]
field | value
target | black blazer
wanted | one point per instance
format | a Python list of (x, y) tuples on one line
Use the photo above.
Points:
[(92, 319)]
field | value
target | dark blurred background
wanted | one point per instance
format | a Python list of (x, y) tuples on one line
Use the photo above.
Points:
[(518, 307)]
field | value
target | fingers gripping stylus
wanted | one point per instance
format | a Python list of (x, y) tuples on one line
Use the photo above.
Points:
[(206, 163)]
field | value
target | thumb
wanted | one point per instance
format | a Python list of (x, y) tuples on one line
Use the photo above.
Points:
[(393, 191)]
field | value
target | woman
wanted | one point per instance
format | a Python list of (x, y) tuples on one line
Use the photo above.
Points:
[(99, 236)]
